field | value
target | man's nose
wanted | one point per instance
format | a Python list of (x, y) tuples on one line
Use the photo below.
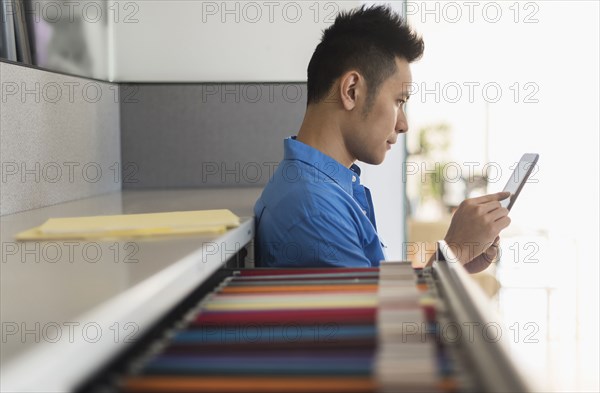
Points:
[(401, 123)]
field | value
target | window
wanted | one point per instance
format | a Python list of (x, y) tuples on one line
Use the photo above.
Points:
[(500, 79)]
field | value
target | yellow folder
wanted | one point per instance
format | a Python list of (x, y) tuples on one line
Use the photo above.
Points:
[(134, 225)]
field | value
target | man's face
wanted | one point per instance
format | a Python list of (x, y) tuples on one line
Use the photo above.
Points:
[(370, 135)]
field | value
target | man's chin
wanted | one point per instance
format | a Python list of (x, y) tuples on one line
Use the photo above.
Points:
[(374, 160)]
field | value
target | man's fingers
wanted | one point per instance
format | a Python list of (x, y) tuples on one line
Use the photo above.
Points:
[(490, 206), (503, 222), (498, 213), (499, 196)]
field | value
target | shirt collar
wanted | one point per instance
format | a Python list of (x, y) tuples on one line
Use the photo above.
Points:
[(345, 177)]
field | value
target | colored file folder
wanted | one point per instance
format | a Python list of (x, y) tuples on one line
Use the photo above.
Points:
[(134, 225)]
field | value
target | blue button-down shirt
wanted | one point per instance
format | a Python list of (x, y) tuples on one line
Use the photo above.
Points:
[(315, 212)]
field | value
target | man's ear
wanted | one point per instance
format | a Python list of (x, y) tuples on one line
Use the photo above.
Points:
[(350, 89)]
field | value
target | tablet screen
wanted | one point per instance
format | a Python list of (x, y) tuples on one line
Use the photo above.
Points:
[(519, 177)]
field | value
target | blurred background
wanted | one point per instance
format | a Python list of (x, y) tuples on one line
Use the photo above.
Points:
[(505, 79)]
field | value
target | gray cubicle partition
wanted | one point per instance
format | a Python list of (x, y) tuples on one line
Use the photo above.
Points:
[(206, 135), (59, 138)]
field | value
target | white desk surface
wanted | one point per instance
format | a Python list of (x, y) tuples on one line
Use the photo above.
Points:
[(68, 306)]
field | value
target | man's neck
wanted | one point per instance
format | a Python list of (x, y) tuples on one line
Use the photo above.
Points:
[(321, 131)]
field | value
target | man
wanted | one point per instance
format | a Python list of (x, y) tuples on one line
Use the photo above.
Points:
[(314, 211)]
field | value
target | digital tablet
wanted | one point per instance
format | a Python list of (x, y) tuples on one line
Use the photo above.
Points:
[(519, 177)]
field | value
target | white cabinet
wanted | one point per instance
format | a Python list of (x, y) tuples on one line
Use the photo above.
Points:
[(182, 40), (216, 41)]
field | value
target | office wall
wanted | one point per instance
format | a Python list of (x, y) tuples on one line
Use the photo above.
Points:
[(59, 138), (387, 185)]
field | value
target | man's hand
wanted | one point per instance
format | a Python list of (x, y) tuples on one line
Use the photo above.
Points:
[(483, 261), (475, 226)]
